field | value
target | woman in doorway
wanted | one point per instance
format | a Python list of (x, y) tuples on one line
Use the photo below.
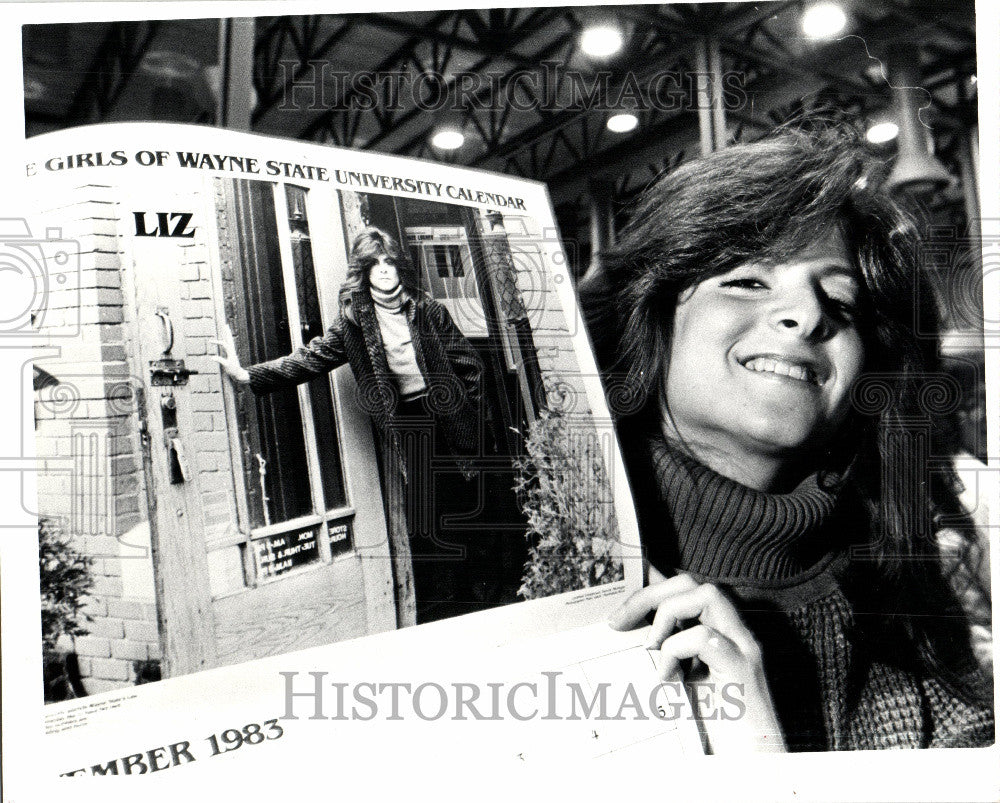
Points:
[(421, 382), (770, 300)]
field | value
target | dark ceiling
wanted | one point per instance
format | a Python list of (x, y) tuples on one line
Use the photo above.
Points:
[(528, 100), (515, 80)]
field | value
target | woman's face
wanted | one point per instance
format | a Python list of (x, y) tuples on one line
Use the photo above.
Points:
[(763, 357), (383, 275)]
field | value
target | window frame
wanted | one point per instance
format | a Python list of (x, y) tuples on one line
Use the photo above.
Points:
[(322, 516)]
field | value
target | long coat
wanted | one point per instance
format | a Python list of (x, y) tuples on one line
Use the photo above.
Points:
[(451, 369)]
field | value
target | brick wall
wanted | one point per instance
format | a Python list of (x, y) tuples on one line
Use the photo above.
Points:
[(207, 437), (87, 436)]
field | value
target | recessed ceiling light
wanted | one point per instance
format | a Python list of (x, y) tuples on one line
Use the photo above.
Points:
[(882, 132), (823, 20), (622, 122), (601, 40), (448, 139)]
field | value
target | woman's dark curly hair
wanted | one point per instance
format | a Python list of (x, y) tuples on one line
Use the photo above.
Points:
[(366, 249), (765, 201)]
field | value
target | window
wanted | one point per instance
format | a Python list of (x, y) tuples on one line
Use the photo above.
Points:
[(291, 459), (441, 254), (444, 266), (448, 261)]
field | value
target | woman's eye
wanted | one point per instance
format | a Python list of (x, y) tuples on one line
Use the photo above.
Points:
[(847, 307), (747, 283)]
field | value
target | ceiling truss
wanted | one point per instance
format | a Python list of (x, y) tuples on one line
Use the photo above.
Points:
[(529, 102)]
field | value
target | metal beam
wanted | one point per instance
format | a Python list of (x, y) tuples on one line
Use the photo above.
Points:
[(268, 101), (554, 123), (679, 133), (748, 52), (115, 61), (550, 49), (404, 51), (434, 34), (940, 18), (690, 35)]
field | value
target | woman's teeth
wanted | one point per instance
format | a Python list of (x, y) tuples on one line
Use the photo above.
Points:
[(769, 365)]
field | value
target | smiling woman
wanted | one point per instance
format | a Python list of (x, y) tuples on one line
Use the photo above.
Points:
[(781, 340), (770, 298)]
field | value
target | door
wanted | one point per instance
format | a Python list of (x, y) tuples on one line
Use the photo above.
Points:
[(265, 540)]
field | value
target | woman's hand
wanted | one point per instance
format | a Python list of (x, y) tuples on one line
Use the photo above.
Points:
[(227, 358), (726, 649)]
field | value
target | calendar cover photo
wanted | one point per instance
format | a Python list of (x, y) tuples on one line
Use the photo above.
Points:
[(289, 396)]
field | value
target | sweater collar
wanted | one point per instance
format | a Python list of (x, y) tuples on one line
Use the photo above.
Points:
[(729, 532), (392, 300)]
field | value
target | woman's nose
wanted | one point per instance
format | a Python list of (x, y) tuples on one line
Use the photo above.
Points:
[(800, 311)]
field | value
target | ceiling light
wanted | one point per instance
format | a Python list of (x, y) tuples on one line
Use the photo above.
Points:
[(916, 171), (882, 132), (622, 122), (601, 41), (448, 139), (823, 20)]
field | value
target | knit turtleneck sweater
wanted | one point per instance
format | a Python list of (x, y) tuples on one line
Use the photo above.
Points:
[(398, 342), (391, 300), (731, 532), (785, 560)]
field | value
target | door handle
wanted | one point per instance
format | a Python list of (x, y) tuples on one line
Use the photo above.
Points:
[(168, 328)]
